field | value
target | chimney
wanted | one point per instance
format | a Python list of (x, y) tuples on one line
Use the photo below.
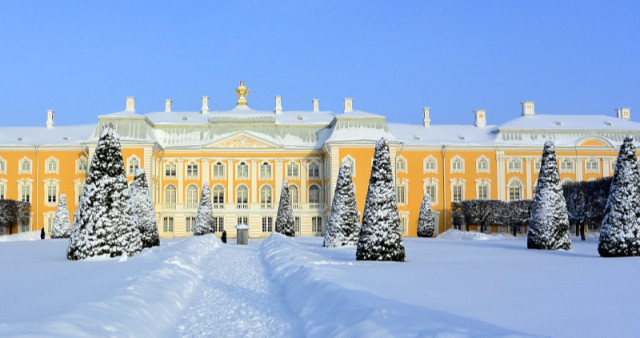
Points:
[(278, 104), (624, 113), (167, 105), (316, 105), (481, 118), (131, 104), (348, 105), (528, 108), (427, 121), (50, 119), (205, 105)]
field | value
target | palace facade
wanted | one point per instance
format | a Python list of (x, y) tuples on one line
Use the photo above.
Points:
[(246, 155)]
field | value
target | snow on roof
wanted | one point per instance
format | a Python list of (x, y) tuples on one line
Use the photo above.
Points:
[(569, 122), (178, 117), (57, 135), (305, 117), (412, 134)]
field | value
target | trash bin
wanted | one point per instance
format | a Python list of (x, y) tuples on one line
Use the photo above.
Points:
[(243, 234)]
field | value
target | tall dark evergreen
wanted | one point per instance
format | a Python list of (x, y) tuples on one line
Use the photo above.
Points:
[(380, 237), (61, 223), (284, 219), (426, 223), (344, 220), (620, 229), (549, 223), (102, 223), (204, 219), (144, 215)]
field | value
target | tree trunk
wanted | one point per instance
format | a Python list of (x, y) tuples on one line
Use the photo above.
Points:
[(514, 230), (582, 236)]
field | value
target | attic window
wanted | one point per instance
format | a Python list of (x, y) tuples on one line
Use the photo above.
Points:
[(417, 138), (184, 118), (300, 118), (608, 124), (65, 138), (461, 138), (558, 123), (20, 139)]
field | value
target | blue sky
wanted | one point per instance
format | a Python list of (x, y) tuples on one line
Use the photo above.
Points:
[(82, 58)]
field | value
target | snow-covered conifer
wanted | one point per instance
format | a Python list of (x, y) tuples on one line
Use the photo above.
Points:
[(127, 237), (284, 219), (61, 224), (549, 223), (620, 229), (204, 220), (103, 219), (426, 223), (344, 221), (144, 215), (380, 236)]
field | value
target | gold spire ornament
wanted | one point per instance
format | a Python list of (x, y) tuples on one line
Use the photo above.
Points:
[(242, 92)]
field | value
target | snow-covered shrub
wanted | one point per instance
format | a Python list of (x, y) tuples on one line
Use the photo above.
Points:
[(380, 236), (61, 224), (426, 223), (549, 223), (284, 219), (620, 229), (144, 215), (344, 219), (204, 219)]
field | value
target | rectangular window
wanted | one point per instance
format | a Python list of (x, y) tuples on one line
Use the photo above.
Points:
[(292, 169), (2, 191), (401, 194), (218, 224), (431, 189), (192, 170), (243, 220), (296, 224), (267, 224), (243, 170), (403, 225), (49, 224), (457, 193), (79, 188), (316, 225), (52, 194), (265, 171), (190, 222), (483, 192), (170, 169), (167, 224), (25, 193), (218, 170), (82, 165)]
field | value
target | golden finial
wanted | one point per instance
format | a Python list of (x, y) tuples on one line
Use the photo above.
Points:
[(241, 93)]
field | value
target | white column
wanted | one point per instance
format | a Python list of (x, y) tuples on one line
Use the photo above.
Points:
[(303, 180), (254, 182), (180, 173), (230, 173), (606, 166), (501, 175), (279, 172), (205, 174), (579, 169), (528, 188)]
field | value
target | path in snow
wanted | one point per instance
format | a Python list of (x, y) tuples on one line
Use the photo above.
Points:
[(236, 300)]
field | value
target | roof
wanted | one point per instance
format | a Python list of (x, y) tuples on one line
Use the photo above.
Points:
[(411, 134), (57, 135), (569, 122)]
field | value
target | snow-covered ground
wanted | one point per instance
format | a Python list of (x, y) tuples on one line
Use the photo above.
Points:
[(293, 287)]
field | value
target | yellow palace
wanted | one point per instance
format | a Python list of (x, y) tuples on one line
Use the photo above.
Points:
[(246, 155)]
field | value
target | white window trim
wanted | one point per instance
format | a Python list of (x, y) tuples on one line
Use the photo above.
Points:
[(47, 183), (457, 182), (186, 194), (319, 165), (453, 160), (20, 171), (353, 164), (164, 193), (424, 165), (260, 194), (224, 171), (592, 160), (291, 195), (164, 169), (237, 195), (51, 160), (224, 194), (3, 184), (567, 170), (3, 168), (536, 167), (401, 159), (508, 193), (76, 185), (481, 182), (320, 194), (433, 182), (404, 215), (286, 167), (403, 183), (25, 182), (78, 161), (186, 171), (238, 177), (514, 170), (479, 160), (129, 159), (269, 176)]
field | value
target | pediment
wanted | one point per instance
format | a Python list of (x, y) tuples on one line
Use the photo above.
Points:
[(594, 141), (242, 140)]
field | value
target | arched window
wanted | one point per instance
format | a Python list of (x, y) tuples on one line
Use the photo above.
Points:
[(515, 190), (482, 165), (457, 164), (314, 194), (3, 166), (314, 170), (218, 170), (265, 170), (25, 166), (170, 195), (217, 196), (401, 164), (242, 197), (133, 163), (293, 169), (515, 164), (81, 165), (266, 196), (430, 165), (294, 195), (243, 170), (192, 197), (192, 170), (170, 169), (51, 166)]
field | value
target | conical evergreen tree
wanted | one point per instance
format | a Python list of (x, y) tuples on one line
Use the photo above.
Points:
[(204, 219), (127, 237), (284, 219), (426, 223), (61, 224), (380, 236), (144, 215), (549, 222), (103, 217), (344, 221), (620, 229)]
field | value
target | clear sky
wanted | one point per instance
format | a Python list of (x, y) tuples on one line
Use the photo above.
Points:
[(82, 58)]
